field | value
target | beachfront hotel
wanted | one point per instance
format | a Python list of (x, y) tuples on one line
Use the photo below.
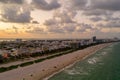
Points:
[(19, 48)]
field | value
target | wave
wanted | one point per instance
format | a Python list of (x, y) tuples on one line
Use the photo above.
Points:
[(75, 71), (93, 60)]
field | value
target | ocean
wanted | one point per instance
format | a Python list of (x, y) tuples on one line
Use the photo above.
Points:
[(103, 65)]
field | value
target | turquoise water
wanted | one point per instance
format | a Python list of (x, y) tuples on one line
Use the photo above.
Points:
[(103, 65)]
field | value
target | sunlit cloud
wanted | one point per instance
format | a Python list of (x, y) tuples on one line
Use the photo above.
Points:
[(43, 18)]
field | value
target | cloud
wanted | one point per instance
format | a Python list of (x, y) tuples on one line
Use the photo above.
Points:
[(63, 20), (35, 22), (15, 14), (113, 5), (70, 28), (65, 17), (96, 19), (66, 14), (12, 1), (106, 11), (11, 30), (96, 12), (112, 18), (50, 22), (16, 29), (55, 26), (44, 5), (110, 21), (60, 24), (110, 24), (86, 28), (36, 30), (55, 29), (78, 4)]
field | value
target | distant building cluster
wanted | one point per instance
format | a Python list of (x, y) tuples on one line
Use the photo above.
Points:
[(28, 47)]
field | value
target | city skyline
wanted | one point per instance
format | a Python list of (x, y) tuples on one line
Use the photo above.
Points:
[(59, 18)]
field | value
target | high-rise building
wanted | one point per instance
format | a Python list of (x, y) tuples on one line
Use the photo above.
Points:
[(94, 38), (18, 40)]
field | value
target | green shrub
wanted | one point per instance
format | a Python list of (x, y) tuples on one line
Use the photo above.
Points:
[(13, 67), (39, 60), (26, 64), (3, 69)]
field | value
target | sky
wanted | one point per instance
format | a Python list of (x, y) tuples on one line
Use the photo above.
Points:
[(46, 19)]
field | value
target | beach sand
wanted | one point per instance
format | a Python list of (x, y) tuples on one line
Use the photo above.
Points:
[(46, 68)]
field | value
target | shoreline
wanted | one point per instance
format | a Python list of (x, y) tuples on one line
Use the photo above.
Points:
[(48, 77), (46, 68)]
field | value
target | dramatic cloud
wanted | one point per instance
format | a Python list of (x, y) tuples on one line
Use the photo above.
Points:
[(111, 18), (96, 12), (12, 1), (16, 14), (60, 24), (106, 11), (16, 29), (36, 30), (63, 20), (44, 5), (55, 26), (83, 27), (70, 28), (35, 22), (66, 16), (106, 4), (78, 4), (55, 29), (96, 19), (110, 24), (50, 22)]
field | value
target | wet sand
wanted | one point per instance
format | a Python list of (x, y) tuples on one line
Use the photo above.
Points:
[(46, 68)]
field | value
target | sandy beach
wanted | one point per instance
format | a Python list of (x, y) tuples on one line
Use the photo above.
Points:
[(48, 67)]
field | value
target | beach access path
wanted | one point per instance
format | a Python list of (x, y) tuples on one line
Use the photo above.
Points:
[(38, 71)]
